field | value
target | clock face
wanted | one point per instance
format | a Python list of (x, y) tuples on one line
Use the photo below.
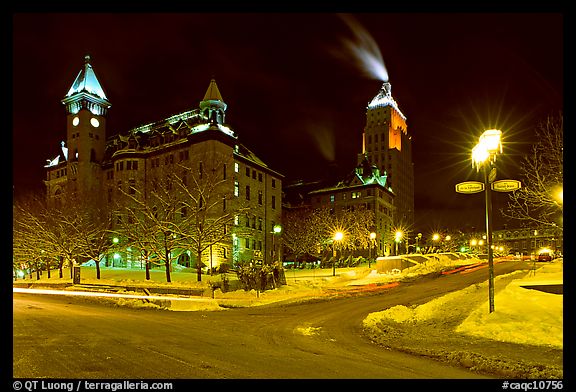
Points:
[(95, 123), (75, 121)]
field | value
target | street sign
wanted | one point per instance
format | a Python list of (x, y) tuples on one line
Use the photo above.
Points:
[(469, 187), (492, 175), (506, 185)]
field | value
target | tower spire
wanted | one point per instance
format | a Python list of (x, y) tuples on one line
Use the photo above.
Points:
[(86, 92), (212, 106)]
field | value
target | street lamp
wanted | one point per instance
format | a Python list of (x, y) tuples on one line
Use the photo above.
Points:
[(397, 238), (338, 236), (372, 246), (276, 230), (418, 238), (484, 155)]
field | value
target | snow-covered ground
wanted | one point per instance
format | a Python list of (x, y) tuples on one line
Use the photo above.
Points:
[(459, 328), (522, 315)]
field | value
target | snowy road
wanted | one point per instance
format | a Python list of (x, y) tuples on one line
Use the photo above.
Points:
[(65, 337)]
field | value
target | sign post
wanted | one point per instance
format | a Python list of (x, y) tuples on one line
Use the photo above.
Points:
[(506, 185), (469, 187)]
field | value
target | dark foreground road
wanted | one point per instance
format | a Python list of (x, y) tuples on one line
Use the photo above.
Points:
[(64, 337)]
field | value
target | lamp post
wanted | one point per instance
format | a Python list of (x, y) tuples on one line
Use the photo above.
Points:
[(397, 238), (372, 243), (484, 155), (276, 230), (418, 238), (338, 236)]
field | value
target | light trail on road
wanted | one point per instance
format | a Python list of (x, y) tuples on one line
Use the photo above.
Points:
[(103, 294)]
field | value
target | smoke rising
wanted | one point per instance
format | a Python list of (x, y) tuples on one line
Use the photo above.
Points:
[(363, 50)]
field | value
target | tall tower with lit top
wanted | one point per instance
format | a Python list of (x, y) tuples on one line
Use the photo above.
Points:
[(387, 145), (86, 109)]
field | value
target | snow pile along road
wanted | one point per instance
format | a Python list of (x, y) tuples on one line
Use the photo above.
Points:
[(458, 328)]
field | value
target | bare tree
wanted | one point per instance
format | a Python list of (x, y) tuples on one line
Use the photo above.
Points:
[(539, 201), (94, 232), (300, 232), (208, 206), (307, 231), (148, 220), (50, 231)]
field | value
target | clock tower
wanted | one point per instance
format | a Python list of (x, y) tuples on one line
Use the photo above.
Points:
[(86, 109)]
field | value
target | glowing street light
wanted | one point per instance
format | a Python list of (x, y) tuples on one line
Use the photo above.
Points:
[(398, 238), (559, 195), (276, 230), (372, 246), (338, 236), (484, 155)]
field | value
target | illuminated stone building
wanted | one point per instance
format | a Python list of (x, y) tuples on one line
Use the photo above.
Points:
[(363, 188), (184, 147), (383, 180), (387, 145)]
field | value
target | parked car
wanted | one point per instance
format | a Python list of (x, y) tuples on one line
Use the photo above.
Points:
[(545, 256)]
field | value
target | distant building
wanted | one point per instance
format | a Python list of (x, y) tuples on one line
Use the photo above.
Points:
[(525, 241), (383, 180), (182, 145), (363, 188), (388, 146)]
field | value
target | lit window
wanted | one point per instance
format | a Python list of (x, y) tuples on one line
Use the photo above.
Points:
[(95, 123), (236, 188), (75, 121), (236, 167)]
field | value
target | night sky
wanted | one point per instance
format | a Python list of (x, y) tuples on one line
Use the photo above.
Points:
[(296, 95)]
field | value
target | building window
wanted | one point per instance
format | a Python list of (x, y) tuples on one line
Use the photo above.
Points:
[(273, 202), (260, 177), (260, 197), (224, 204), (224, 171), (236, 167), (248, 172), (236, 188), (273, 183), (254, 174), (247, 192), (247, 220), (247, 243), (260, 224), (332, 198)]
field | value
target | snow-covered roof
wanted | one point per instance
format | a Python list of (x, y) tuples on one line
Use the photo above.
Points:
[(213, 94), (384, 98), (86, 81)]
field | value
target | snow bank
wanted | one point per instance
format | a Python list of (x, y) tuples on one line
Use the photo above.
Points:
[(522, 315)]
